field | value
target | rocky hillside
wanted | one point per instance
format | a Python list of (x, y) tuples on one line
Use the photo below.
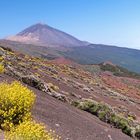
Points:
[(75, 102), (91, 54)]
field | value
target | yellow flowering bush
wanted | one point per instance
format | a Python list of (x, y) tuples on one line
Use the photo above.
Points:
[(16, 102), (29, 130), (1, 68)]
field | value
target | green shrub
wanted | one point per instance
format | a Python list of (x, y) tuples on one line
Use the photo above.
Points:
[(114, 119), (86, 105), (75, 103), (16, 102), (105, 113), (137, 132), (121, 123), (94, 109), (127, 130), (118, 121)]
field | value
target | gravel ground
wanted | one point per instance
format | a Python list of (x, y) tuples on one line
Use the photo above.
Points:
[(71, 123)]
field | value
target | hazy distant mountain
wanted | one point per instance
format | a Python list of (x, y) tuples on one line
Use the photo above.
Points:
[(45, 35), (97, 53)]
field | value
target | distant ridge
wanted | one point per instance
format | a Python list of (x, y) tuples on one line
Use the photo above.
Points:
[(45, 35), (43, 41)]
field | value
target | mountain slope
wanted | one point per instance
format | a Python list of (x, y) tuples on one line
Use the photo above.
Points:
[(90, 54), (71, 84), (46, 35), (113, 69), (69, 122), (98, 53)]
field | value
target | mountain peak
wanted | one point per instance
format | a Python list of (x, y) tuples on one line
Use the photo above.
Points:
[(43, 34), (40, 23), (33, 28)]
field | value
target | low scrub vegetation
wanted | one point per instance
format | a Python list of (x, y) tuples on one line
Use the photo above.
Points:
[(105, 113), (119, 71)]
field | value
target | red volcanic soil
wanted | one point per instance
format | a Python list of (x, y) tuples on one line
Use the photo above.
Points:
[(62, 60), (119, 84)]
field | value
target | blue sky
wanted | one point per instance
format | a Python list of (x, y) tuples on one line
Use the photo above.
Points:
[(98, 21)]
